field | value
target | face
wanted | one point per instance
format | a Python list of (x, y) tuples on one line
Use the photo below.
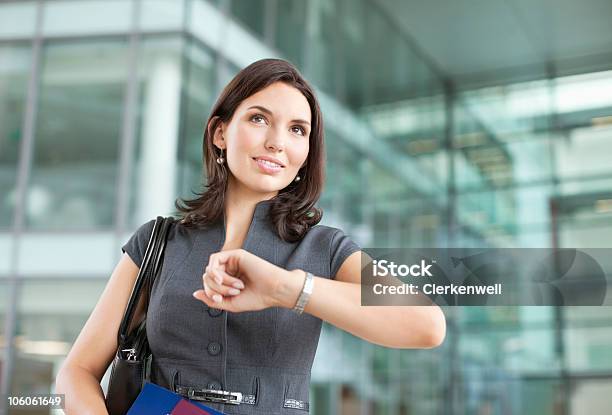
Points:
[(272, 124)]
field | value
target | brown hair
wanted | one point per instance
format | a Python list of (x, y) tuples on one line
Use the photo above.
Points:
[(292, 210)]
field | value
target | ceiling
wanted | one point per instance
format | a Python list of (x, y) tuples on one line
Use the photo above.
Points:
[(486, 42)]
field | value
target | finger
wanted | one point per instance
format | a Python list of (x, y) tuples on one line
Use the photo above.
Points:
[(207, 282), (213, 278), (214, 260), (230, 259), (210, 292), (222, 278), (207, 299), (225, 304), (201, 295)]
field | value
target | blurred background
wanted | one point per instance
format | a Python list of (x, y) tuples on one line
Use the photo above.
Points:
[(480, 123)]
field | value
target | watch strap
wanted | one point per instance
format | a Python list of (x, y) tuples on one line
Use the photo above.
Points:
[(305, 294)]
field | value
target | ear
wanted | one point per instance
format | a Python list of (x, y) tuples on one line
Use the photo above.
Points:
[(217, 134)]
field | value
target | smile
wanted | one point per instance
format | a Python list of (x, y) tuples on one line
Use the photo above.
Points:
[(268, 166)]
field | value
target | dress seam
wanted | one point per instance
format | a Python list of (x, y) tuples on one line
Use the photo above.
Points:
[(229, 366)]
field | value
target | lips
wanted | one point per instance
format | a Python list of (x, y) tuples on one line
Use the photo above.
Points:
[(269, 161), (267, 167)]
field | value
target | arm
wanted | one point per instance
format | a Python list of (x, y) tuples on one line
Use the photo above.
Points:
[(339, 303), (335, 301), (94, 349), (82, 389)]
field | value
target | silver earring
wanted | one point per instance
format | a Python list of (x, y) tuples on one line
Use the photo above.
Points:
[(297, 178), (220, 159)]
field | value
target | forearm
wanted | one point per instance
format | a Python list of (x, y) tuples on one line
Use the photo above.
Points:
[(83, 393), (339, 303)]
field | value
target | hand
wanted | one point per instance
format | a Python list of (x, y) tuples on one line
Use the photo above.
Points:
[(237, 280)]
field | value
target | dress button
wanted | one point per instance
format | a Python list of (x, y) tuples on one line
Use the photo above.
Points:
[(214, 385), (214, 312), (214, 348)]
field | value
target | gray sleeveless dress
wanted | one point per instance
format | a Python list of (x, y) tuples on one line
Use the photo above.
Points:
[(266, 355)]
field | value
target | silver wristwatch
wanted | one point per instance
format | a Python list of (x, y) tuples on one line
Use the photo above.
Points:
[(305, 294)]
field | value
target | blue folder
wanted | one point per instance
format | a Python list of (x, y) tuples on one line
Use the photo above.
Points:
[(154, 400)]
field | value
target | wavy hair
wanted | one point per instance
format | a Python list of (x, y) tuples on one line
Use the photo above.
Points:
[(292, 211)]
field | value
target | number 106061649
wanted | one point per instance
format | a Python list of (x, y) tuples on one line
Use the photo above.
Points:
[(53, 401)]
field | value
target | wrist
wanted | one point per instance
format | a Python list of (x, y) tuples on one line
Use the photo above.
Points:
[(289, 288)]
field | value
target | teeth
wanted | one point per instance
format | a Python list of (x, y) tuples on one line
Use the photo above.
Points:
[(268, 163)]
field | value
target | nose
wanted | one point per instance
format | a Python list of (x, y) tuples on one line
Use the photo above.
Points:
[(274, 140)]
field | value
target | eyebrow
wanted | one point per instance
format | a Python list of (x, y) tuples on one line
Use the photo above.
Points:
[(270, 112)]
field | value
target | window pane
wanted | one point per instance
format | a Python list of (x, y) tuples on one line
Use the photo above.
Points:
[(251, 13), (17, 19), (4, 299), (14, 70), (585, 152), (588, 348), (50, 316), (516, 397), (198, 100), (591, 396), (290, 29), (92, 16), (6, 260), (520, 350), (321, 67), (77, 136), (161, 15)]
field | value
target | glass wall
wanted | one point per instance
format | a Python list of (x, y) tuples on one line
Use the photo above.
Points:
[(531, 171), (118, 86)]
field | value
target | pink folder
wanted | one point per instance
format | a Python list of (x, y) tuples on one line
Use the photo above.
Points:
[(187, 408)]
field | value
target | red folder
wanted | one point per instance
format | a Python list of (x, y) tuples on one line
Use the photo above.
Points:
[(155, 400), (187, 408)]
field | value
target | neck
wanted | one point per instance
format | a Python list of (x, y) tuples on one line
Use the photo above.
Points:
[(240, 201), (240, 204)]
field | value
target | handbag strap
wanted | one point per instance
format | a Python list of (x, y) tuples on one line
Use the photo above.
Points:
[(150, 267)]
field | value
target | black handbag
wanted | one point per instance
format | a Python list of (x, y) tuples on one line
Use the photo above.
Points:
[(132, 362)]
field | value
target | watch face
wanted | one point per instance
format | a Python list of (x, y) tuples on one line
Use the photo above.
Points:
[(309, 283)]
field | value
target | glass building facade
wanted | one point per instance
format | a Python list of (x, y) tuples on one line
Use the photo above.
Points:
[(102, 108)]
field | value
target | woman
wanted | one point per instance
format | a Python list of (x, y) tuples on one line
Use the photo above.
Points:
[(248, 275)]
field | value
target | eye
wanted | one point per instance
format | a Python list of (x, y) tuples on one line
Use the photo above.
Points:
[(300, 129), (258, 116)]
